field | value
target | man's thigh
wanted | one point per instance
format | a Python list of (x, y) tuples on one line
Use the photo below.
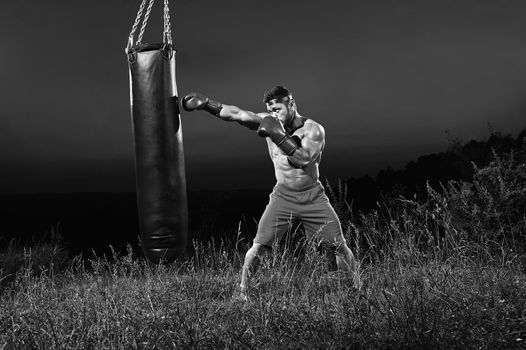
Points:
[(321, 223), (275, 221)]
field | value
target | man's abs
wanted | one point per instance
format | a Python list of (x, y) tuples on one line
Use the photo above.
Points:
[(294, 179)]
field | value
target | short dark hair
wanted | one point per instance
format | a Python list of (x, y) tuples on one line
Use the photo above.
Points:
[(278, 92)]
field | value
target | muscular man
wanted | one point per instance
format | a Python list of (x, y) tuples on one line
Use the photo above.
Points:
[(295, 144)]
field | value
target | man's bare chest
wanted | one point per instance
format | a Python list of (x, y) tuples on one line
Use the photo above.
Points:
[(276, 152)]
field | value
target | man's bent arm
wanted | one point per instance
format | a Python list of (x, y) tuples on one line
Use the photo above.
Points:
[(311, 146)]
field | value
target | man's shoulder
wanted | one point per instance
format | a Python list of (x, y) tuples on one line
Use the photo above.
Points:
[(313, 130), (313, 126)]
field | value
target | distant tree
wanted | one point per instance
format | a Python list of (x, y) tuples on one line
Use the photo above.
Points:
[(459, 162)]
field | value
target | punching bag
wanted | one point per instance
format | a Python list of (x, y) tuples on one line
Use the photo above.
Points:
[(158, 144)]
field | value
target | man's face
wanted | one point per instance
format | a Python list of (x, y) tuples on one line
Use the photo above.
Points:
[(281, 108)]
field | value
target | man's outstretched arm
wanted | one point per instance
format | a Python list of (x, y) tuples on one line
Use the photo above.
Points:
[(195, 101)]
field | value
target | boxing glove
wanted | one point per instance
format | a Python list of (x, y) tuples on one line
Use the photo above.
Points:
[(196, 100), (271, 127)]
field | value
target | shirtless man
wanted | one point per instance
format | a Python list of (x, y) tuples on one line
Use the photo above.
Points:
[(295, 145)]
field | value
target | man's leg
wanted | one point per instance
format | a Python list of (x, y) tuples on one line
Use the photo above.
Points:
[(252, 260), (272, 225), (328, 233), (345, 258), (320, 219)]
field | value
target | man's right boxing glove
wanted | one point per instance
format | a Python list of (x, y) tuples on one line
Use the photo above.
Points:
[(271, 127), (196, 100)]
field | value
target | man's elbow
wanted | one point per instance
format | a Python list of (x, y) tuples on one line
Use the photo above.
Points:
[(298, 163)]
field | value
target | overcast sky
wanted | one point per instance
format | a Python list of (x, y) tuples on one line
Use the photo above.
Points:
[(385, 78)]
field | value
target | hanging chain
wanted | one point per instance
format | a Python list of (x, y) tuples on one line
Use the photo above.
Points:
[(137, 19), (144, 21), (167, 33)]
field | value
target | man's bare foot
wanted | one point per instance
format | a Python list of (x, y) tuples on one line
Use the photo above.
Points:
[(241, 294)]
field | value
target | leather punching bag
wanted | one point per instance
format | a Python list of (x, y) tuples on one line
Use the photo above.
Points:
[(158, 146)]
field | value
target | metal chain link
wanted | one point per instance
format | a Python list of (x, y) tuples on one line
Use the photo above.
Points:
[(167, 34), (136, 23), (144, 21)]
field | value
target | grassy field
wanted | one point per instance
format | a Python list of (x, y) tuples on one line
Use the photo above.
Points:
[(294, 304), (446, 273)]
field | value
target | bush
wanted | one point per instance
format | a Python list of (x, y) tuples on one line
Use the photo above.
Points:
[(491, 209)]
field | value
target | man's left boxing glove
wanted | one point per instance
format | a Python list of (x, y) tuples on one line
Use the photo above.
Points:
[(196, 100), (271, 127)]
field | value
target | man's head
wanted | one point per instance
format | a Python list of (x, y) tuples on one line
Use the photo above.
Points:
[(281, 104)]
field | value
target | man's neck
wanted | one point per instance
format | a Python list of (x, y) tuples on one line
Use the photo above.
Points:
[(296, 123)]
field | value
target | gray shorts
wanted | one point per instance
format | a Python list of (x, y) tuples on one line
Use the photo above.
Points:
[(311, 206)]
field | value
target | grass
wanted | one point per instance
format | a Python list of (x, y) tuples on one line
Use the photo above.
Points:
[(124, 302), (441, 274)]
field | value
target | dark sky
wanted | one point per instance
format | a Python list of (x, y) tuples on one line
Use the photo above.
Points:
[(385, 78)]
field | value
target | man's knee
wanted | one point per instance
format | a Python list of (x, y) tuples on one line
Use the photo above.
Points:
[(256, 251), (345, 257), (343, 249)]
